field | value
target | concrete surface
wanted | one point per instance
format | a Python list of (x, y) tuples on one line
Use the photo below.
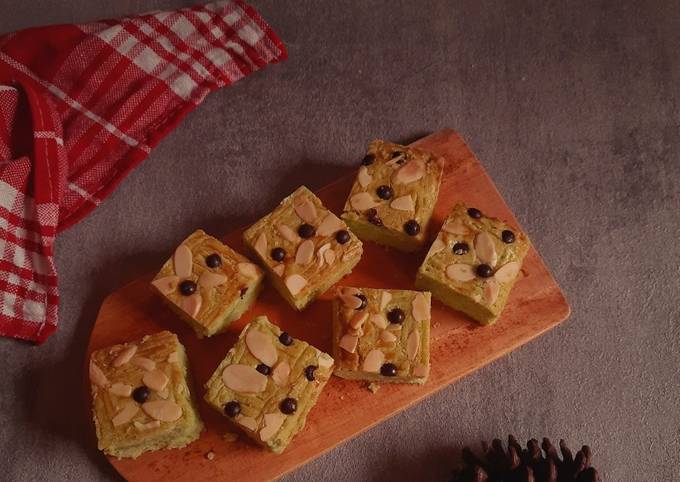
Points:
[(572, 106)]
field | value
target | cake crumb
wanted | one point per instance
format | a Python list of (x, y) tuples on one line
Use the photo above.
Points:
[(373, 387), (230, 437), (210, 455)]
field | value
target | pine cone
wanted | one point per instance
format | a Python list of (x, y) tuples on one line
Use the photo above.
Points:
[(526, 465)]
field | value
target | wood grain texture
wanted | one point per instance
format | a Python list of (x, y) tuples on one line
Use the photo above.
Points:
[(345, 408)]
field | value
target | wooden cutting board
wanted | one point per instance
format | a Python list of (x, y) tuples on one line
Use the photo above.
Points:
[(345, 408)]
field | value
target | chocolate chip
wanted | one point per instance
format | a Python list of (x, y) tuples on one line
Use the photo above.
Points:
[(484, 271), (388, 370), (372, 216), (243, 292), (213, 260), (264, 369), (384, 192), (231, 409), (396, 315), (140, 394), (187, 287), (278, 254), (306, 230), (368, 159), (461, 248), (474, 213), (412, 227), (342, 236), (309, 372), (364, 301), (508, 236), (288, 405), (286, 339)]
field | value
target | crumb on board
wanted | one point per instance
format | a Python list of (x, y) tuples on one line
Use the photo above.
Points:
[(210, 455), (373, 387), (230, 437)]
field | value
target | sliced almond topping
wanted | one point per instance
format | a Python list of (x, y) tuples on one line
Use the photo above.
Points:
[(491, 290), (420, 308), (412, 345), (156, 380), (164, 393), (358, 320), (125, 356), (209, 280), (305, 208), (305, 252), (121, 389), (320, 253), (507, 272), (364, 177), (379, 321), (125, 414), (325, 361), (244, 378), (173, 357), (143, 363), (279, 269), (410, 172), (249, 270), (330, 225), (167, 284), (191, 304), (394, 162), (287, 233), (350, 301), (403, 203), (330, 257), (456, 227), (272, 424), (261, 347), (162, 410), (349, 290), (261, 245), (349, 343), (486, 249), (388, 336), (183, 261), (295, 283), (394, 327), (143, 427), (248, 422), (437, 246), (97, 376), (460, 272), (280, 373), (373, 361), (362, 201), (421, 371), (385, 298)]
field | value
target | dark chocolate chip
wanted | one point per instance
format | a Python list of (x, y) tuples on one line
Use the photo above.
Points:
[(461, 248), (264, 369), (385, 192), (306, 230), (213, 260), (373, 218), (140, 394), (412, 227), (396, 315), (288, 405), (231, 409), (187, 287), (508, 236), (388, 370), (309, 372), (368, 159), (364, 301), (286, 339), (484, 271), (474, 213), (278, 254), (342, 236), (243, 292)]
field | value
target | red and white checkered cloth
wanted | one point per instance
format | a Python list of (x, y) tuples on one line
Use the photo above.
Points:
[(82, 105)]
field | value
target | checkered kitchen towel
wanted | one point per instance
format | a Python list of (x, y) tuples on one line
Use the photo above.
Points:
[(82, 105)]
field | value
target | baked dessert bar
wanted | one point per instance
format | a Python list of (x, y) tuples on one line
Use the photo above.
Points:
[(381, 335), (304, 247), (393, 196), (268, 383), (473, 263), (140, 396), (208, 284)]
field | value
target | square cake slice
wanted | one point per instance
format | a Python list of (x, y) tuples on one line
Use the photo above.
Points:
[(473, 263), (381, 335), (304, 247), (141, 399), (208, 284), (268, 383), (393, 196)]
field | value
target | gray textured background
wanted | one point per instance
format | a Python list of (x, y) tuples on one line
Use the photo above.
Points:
[(572, 106)]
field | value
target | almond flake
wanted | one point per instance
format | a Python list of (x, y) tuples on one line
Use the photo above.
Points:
[(248, 422), (330, 225), (182, 260), (261, 245), (325, 361), (507, 272), (330, 257), (320, 253), (349, 290), (362, 201), (126, 414), (164, 394), (388, 336), (410, 172), (305, 208), (379, 321), (156, 380), (261, 347), (358, 320), (486, 249), (272, 424), (143, 427), (421, 371), (191, 304), (394, 162), (143, 363), (244, 379), (209, 280), (279, 269), (305, 252), (173, 357), (349, 343), (456, 227), (97, 376), (436, 247), (412, 345), (385, 298), (287, 233), (351, 301), (125, 356), (403, 203), (364, 177), (167, 284), (373, 361), (460, 272), (491, 290), (420, 308), (280, 373), (121, 389), (162, 410), (295, 283)]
